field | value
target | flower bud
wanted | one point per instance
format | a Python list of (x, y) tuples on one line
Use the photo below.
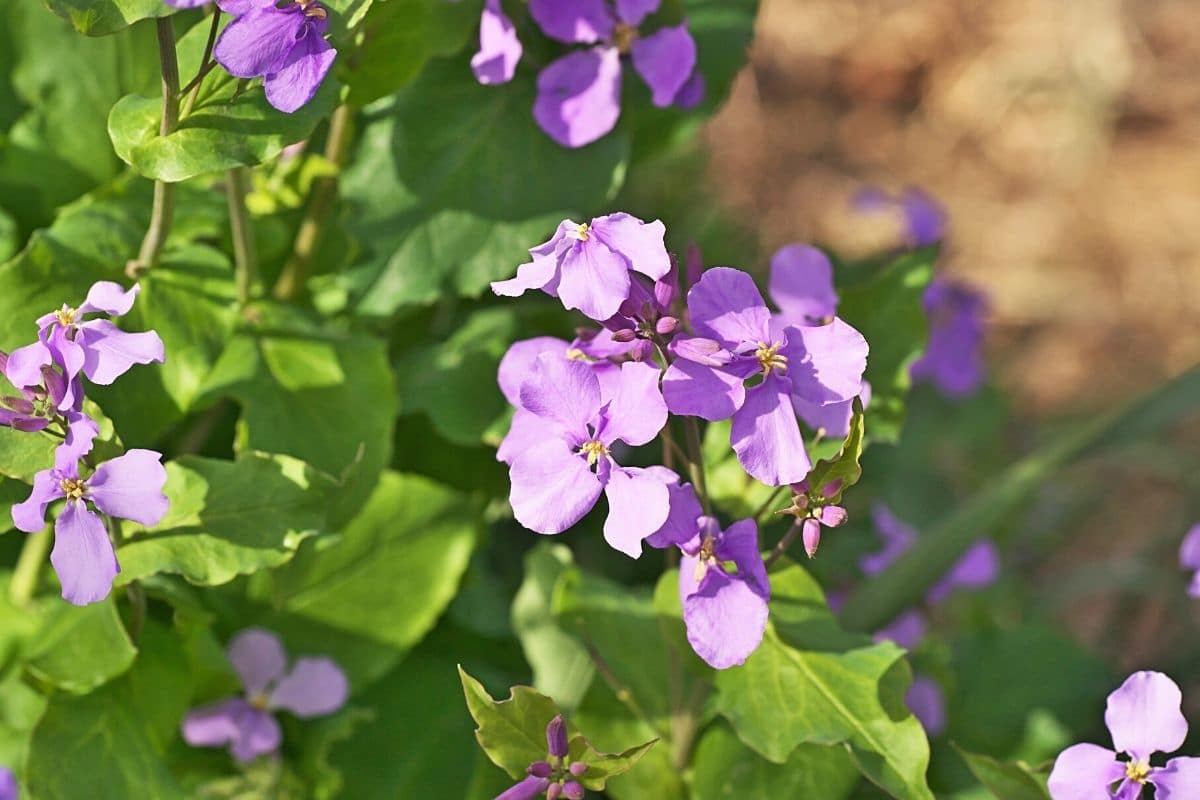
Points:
[(572, 790), (812, 537), (833, 516), (642, 350), (554, 792), (577, 768), (693, 264), (17, 404), (624, 336), (666, 326), (556, 737), (540, 769)]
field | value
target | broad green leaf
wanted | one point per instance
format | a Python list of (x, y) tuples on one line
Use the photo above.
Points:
[(811, 683), (368, 595), (111, 742), (726, 768), (102, 17), (21, 706), (400, 37), (10, 240), (228, 518), (335, 389), (843, 470), (887, 310), (561, 666), (22, 454), (513, 734), (347, 14), (11, 492), (1006, 780), (221, 132), (80, 648)]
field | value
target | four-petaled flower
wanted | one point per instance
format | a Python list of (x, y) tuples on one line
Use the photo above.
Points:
[(587, 265), (1144, 718), (735, 343), (314, 687)]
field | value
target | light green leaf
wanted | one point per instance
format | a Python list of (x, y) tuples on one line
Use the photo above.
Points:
[(603, 767), (1006, 780), (9, 236), (102, 17), (80, 648), (726, 768), (228, 518), (842, 470), (561, 666), (729, 487)]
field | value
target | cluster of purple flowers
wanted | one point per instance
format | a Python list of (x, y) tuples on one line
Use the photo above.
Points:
[(284, 44), (579, 94), (50, 376), (722, 354), (553, 777), (313, 687)]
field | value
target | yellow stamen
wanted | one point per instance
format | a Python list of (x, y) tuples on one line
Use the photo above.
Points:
[(769, 357), (1138, 771), (623, 37), (65, 315), (582, 233), (258, 701), (706, 557), (594, 450), (575, 354), (72, 488)]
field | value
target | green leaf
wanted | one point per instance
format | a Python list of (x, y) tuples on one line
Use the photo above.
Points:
[(561, 666), (22, 454), (729, 487), (102, 17), (221, 132), (610, 724), (887, 310), (228, 518), (843, 469), (399, 39), (1006, 780), (336, 389), (603, 767), (811, 683), (726, 768), (10, 240), (341, 595), (80, 648)]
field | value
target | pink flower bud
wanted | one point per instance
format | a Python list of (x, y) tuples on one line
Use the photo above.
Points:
[(540, 769), (624, 336), (572, 790), (577, 768), (556, 737), (666, 326), (812, 537)]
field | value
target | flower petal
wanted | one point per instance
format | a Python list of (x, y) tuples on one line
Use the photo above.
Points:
[(927, 703), (258, 657), (632, 12), (1189, 549), (802, 284), (213, 725), (725, 619), (593, 279), (1143, 715), (641, 244), (579, 96), (766, 436), (978, 567), (562, 391), (1178, 780), (681, 523), (24, 367), (906, 630), (574, 22), (552, 487), (258, 734), (238, 7), (82, 430), (1084, 772), (637, 412), (726, 305), (257, 42), (108, 297), (109, 351), (314, 687), (826, 362), (697, 390), (897, 535), (525, 431), (925, 219), (638, 505), (296, 79), (130, 487), (529, 788), (30, 515), (499, 48), (517, 365), (83, 556), (665, 59)]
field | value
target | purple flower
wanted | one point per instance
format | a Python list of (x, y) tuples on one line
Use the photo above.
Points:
[(953, 360), (814, 510), (129, 487), (187, 3), (924, 218), (1144, 718), (579, 95), (735, 343), (285, 46), (314, 687), (38, 405), (725, 614), (569, 462), (528, 788), (587, 266), (499, 47), (906, 630), (926, 702), (94, 347), (8, 785), (1189, 558)]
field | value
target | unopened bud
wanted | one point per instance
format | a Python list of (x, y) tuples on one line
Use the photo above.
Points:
[(812, 537), (833, 516), (624, 336), (642, 350), (540, 769), (554, 792), (577, 768), (666, 326), (572, 790), (17, 404), (556, 737)]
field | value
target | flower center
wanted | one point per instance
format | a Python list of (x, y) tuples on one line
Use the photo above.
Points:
[(623, 37), (769, 357), (65, 316), (575, 354), (707, 557), (594, 450), (73, 488), (582, 232), (1137, 771), (258, 701), (312, 8)]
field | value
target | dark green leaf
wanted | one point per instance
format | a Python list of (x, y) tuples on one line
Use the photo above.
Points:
[(102, 17), (80, 648), (726, 768), (1006, 780)]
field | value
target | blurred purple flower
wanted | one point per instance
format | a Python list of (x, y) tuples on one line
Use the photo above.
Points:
[(1189, 558), (187, 3), (94, 347), (568, 462), (734, 343), (499, 48), (129, 486), (587, 266), (1144, 718), (926, 702), (924, 218), (8, 785), (579, 95), (953, 360), (906, 630), (285, 46), (314, 687)]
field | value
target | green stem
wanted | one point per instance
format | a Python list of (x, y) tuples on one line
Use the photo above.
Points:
[(162, 213), (244, 255), (192, 90), (29, 567), (137, 606), (312, 228), (906, 581), (695, 458)]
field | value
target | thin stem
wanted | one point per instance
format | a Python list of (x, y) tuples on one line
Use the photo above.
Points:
[(623, 693), (244, 255), (312, 228), (695, 458), (137, 606), (192, 90), (29, 567), (784, 543), (765, 508), (685, 724), (162, 213)]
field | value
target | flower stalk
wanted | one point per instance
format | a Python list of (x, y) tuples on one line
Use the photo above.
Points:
[(162, 212), (245, 257), (29, 567)]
